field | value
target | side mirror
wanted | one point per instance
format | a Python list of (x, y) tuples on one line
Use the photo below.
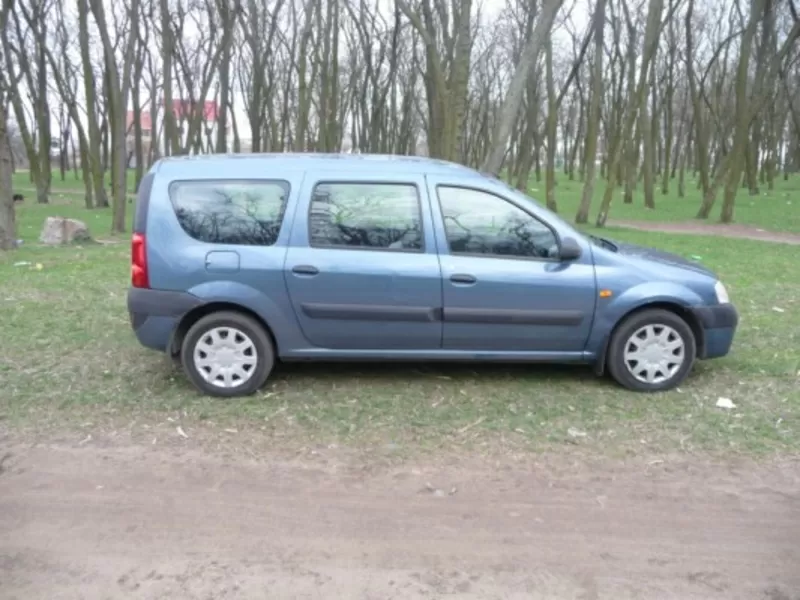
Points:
[(570, 249)]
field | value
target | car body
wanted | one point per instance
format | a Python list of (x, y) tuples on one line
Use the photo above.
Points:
[(239, 261)]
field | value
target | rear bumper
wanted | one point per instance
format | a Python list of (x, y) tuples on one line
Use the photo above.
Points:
[(719, 325), (154, 314)]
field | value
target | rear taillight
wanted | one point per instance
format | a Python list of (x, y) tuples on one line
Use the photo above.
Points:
[(139, 277)]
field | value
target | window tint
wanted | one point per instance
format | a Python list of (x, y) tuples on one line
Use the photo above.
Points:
[(247, 213), (481, 223), (380, 216)]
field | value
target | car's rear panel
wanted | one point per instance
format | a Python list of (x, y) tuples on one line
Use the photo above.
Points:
[(185, 268)]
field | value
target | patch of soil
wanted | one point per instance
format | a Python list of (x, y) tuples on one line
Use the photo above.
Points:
[(714, 229), (126, 521)]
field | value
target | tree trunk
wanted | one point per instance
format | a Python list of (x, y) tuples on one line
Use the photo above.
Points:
[(655, 8), (303, 96), (228, 24), (513, 100), (669, 127), (552, 125), (8, 225), (43, 123), (648, 158), (700, 148), (172, 143), (593, 122), (93, 154), (118, 85), (736, 157)]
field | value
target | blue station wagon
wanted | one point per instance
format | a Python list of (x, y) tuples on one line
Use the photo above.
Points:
[(241, 261)]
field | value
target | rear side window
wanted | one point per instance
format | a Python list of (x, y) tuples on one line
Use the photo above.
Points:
[(368, 216), (245, 213)]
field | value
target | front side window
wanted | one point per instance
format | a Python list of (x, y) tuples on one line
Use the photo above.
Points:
[(370, 216), (247, 213), (478, 222)]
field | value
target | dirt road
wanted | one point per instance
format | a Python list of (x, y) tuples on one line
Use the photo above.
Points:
[(139, 522), (728, 230)]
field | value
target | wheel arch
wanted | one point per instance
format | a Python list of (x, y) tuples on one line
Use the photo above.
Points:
[(194, 315), (678, 309)]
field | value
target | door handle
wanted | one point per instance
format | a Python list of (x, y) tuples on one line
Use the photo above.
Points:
[(305, 270), (463, 278)]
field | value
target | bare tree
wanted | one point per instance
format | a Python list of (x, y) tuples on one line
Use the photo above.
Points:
[(704, 93), (8, 226), (119, 84), (593, 125), (446, 29), (508, 114), (93, 156), (635, 100), (26, 48)]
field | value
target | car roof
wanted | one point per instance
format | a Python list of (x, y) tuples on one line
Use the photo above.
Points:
[(187, 165)]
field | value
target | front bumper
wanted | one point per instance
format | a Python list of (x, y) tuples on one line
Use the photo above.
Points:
[(719, 323), (155, 314)]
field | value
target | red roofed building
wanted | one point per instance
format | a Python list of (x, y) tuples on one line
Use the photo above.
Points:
[(184, 111)]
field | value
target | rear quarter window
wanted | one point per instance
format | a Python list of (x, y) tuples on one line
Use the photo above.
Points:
[(246, 213)]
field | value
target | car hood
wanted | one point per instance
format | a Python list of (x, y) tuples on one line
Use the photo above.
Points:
[(643, 253)]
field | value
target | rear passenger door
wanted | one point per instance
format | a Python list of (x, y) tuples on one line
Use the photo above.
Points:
[(362, 268)]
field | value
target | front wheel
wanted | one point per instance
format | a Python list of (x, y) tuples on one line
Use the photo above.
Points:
[(227, 354), (652, 351)]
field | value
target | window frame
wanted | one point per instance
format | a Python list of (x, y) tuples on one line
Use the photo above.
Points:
[(283, 183), (420, 212), (473, 188)]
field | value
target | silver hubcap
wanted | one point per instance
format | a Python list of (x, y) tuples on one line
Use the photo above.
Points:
[(225, 357), (654, 353)]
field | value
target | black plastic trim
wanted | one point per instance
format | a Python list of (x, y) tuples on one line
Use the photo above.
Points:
[(463, 278), (720, 316), (563, 318), (143, 203), (137, 320), (143, 303), (371, 312), (305, 270)]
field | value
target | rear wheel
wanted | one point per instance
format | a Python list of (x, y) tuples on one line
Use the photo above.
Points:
[(227, 354), (652, 350)]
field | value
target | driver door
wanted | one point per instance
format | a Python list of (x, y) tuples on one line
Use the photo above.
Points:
[(504, 287)]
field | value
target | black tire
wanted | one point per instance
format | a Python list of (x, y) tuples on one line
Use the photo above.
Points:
[(264, 353), (632, 324)]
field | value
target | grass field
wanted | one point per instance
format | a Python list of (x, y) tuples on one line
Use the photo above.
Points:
[(70, 357), (776, 210)]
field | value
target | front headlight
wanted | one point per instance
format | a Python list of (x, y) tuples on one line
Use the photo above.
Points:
[(722, 293)]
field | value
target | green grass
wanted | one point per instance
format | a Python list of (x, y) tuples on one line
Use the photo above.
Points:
[(21, 180), (776, 210), (66, 200), (68, 356)]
